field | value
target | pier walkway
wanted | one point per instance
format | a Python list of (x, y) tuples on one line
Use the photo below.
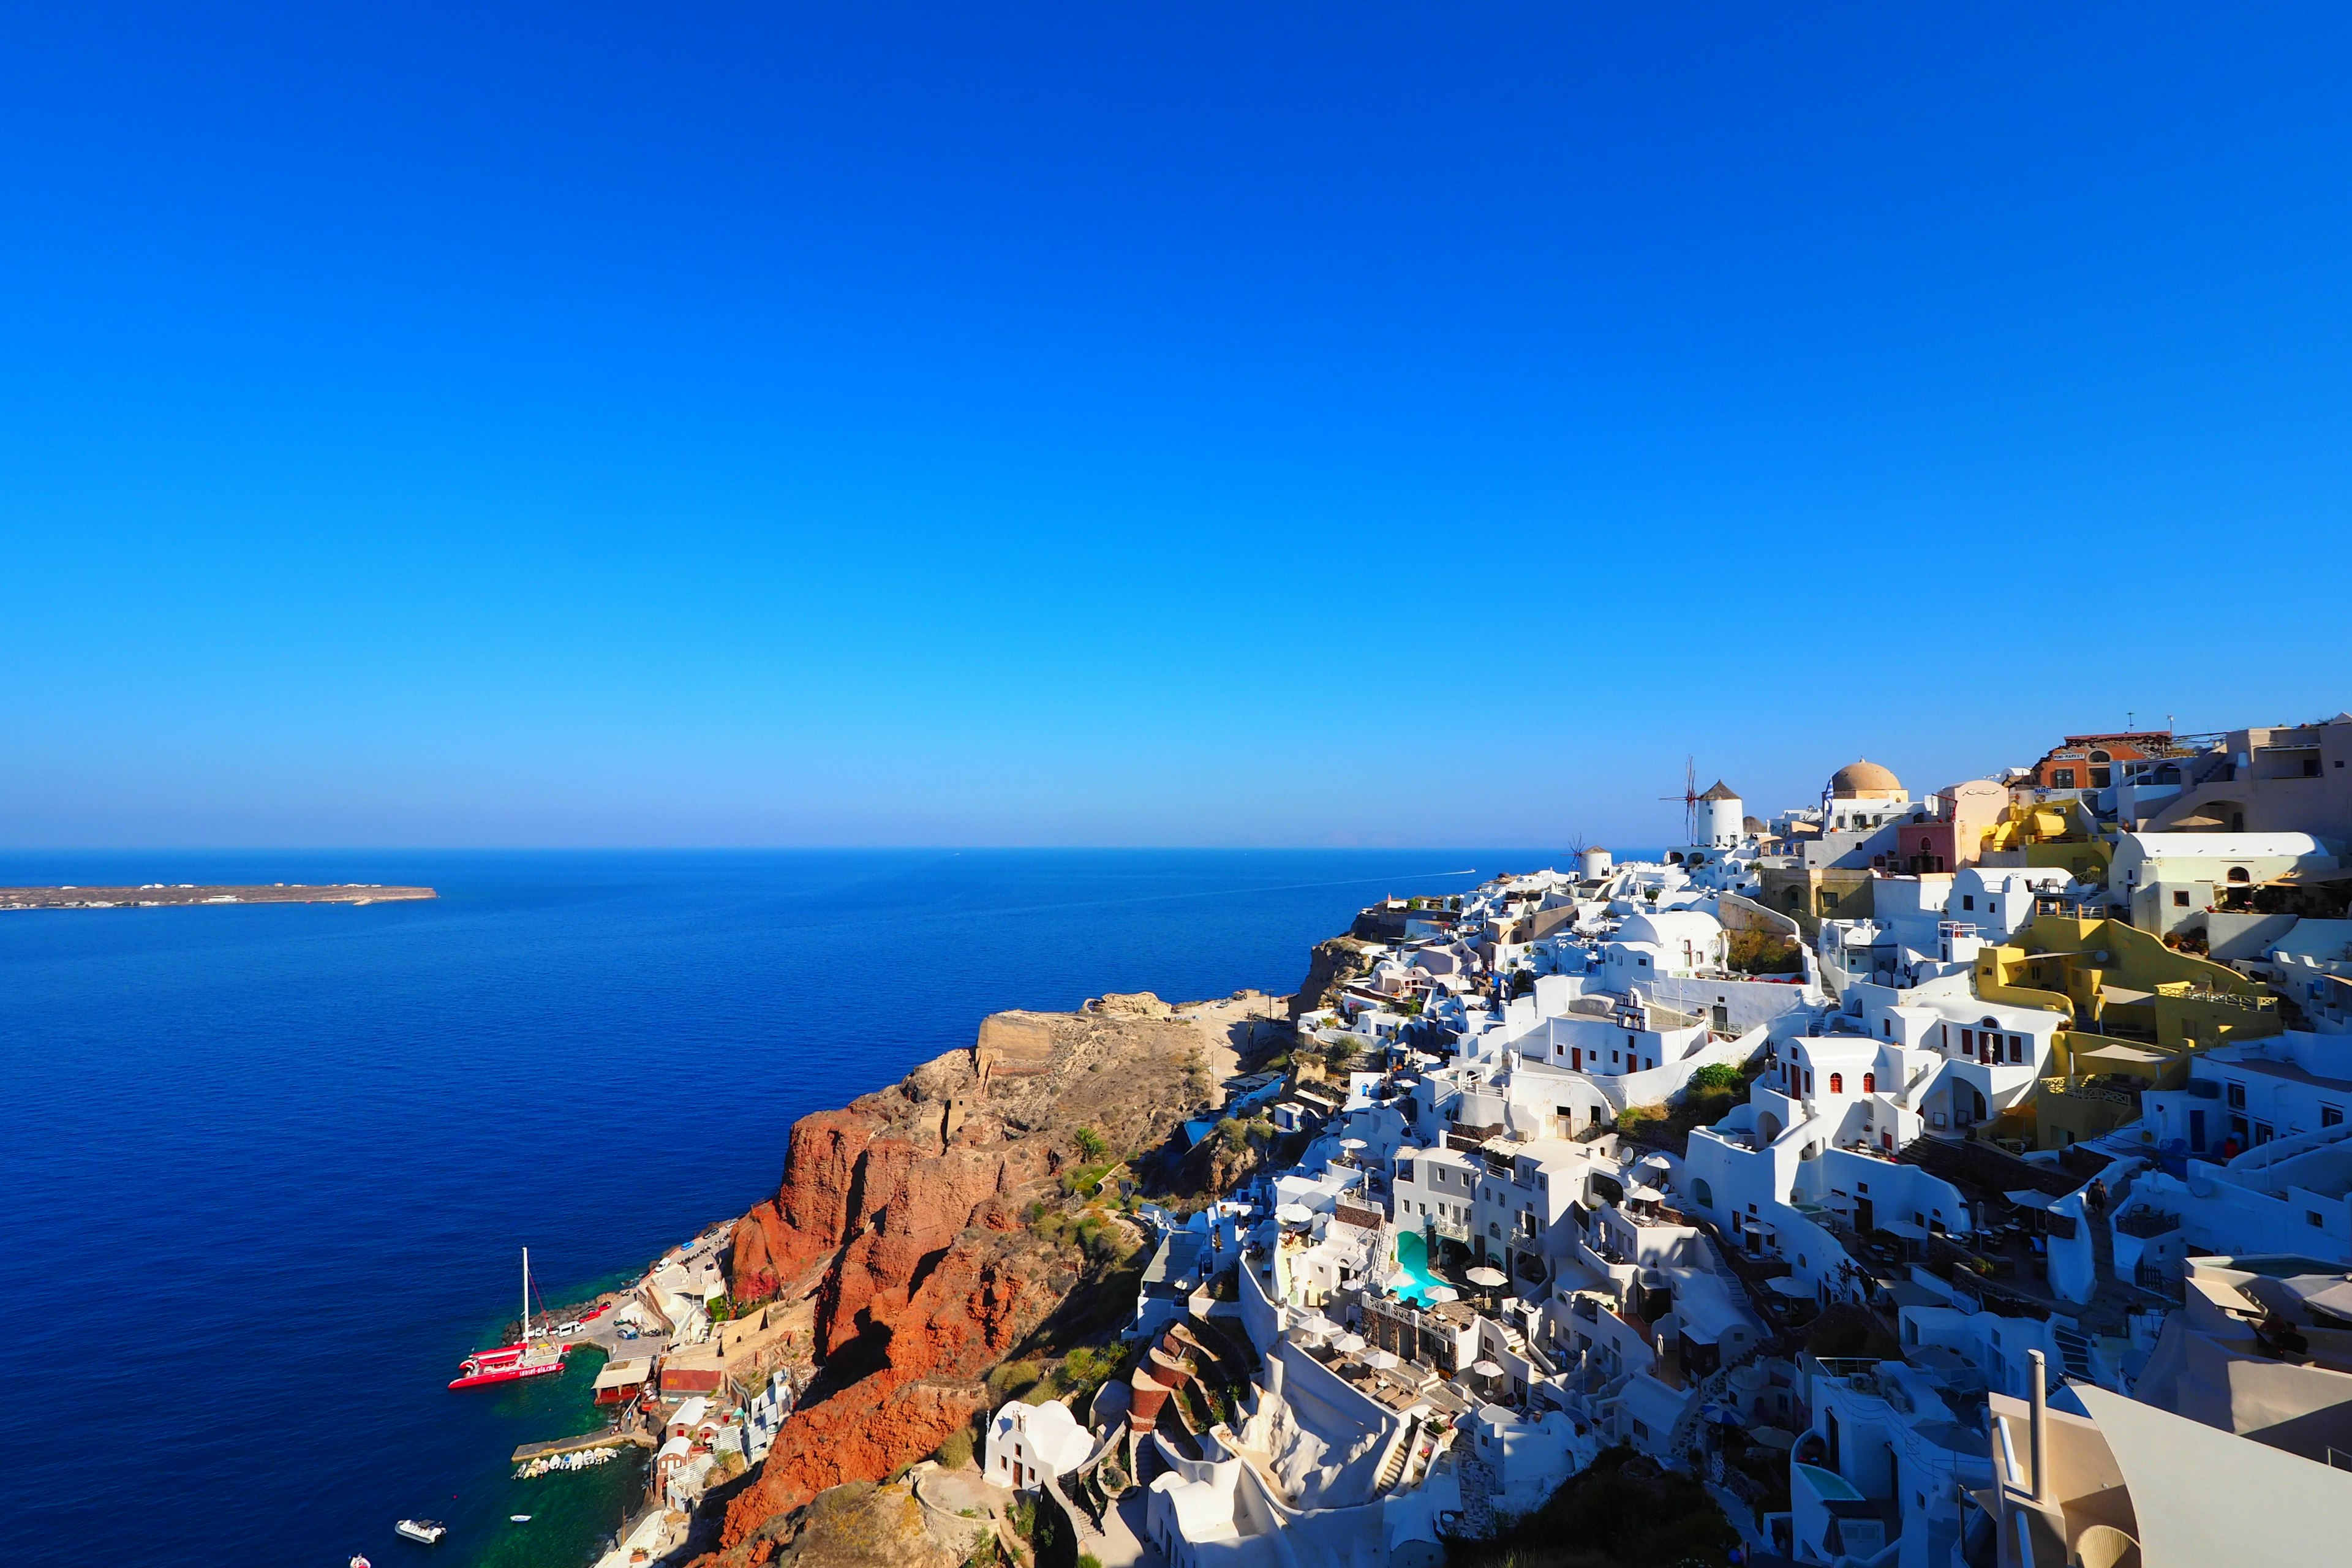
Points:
[(585, 1440)]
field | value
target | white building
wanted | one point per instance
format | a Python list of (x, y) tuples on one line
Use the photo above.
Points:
[(2169, 880), (1034, 1445)]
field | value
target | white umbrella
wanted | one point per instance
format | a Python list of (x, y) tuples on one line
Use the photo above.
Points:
[(1294, 1213), (1492, 1278), (1384, 1360), (1353, 1143), (1486, 1369), (1658, 1162), (1349, 1343), (1644, 1195), (1442, 1293)]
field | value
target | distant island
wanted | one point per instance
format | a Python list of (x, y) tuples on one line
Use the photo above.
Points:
[(154, 894)]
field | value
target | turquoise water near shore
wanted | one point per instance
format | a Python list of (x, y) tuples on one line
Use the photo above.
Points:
[(267, 1167)]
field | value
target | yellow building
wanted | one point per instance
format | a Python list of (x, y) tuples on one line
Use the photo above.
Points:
[(2056, 835), (2140, 1010)]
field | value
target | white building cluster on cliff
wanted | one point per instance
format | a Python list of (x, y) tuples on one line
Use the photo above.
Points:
[(1946, 1182)]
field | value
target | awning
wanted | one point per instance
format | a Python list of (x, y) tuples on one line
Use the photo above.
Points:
[(2028, 1199), (2139, 1056), (625, 1373), (1906, 1229), (2306, 876), (1787, 1286)]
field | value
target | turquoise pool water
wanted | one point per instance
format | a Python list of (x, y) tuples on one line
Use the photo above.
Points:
[(1412, 1257)]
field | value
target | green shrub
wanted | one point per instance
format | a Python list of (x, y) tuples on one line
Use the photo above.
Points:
[(1090, 1146), (1718, 1075), (1761, 953), (956, 1452), (1014, 1379), (1232, 1133)]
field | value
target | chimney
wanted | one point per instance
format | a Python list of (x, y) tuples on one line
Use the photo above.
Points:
[(2039, 1431)]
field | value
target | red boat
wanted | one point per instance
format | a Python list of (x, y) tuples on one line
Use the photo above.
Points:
[(535, 1355)]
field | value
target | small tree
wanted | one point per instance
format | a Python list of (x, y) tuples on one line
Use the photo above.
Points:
[(1091, 1147)]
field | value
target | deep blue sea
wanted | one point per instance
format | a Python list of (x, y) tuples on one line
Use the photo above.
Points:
[(267, 1169)]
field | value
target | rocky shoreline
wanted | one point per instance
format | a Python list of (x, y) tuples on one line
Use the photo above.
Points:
[(965, 1220)]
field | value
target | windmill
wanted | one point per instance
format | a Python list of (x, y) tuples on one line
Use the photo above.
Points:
[(1689, 797)]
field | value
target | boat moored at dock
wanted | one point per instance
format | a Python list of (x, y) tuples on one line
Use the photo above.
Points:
[(532, 1355)]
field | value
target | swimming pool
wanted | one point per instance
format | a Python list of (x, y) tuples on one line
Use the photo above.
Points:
[(1412, 1259)]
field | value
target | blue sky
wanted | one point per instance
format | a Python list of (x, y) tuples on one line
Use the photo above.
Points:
[(1145, 425)]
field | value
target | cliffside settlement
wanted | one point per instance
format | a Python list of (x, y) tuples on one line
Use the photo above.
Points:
[(1906, 1181)]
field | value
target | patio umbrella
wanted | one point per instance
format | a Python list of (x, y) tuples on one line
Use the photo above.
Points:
[(1385, 1359), (1439, 1293), (1294, 1213), (1349, 1343), (1353, 1143), (1492, 1278), (1657, 1161), (1486, 1369)]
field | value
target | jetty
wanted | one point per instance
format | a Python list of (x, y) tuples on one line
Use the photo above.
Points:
[(580, 1444), (151, 895)]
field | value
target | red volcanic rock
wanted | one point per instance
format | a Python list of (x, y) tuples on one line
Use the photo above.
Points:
[(782, 1239), (903, 1216), (960, 1322), (915, 1206)]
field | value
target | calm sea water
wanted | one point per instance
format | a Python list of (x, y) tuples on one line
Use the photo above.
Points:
[(264, 1171)]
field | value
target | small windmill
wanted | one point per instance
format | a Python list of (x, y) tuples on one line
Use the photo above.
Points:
[(1689, 797)]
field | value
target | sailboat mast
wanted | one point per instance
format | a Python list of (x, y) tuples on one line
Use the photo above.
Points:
[(526, 1292)]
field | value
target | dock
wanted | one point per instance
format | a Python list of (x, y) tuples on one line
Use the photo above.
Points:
[(157, 895), (587, 1440)]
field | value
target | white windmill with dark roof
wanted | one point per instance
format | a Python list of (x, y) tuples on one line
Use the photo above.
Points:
[(1721, 819)]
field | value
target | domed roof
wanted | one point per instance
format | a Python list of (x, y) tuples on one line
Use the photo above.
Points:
[(1861, 779)]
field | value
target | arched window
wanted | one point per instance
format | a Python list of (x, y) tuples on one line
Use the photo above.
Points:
[(1837, 1083), (1869, 1083), (1702, 1195), (2238, 873), (2101, 757)]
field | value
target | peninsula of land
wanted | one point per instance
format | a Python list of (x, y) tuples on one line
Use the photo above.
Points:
[(156, 894)]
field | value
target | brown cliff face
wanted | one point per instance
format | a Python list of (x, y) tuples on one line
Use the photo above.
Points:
[(902, 1219)]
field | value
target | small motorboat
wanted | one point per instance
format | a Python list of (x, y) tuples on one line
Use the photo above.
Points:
[(519, 1518), (360, 1562), (427, 1530)]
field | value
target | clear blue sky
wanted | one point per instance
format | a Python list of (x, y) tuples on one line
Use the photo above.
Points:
[(1017, 424)]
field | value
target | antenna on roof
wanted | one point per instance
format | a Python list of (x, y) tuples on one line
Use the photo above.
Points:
[(1689, 797)]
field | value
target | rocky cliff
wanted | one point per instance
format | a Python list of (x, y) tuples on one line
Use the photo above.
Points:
[(902, 1220)]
